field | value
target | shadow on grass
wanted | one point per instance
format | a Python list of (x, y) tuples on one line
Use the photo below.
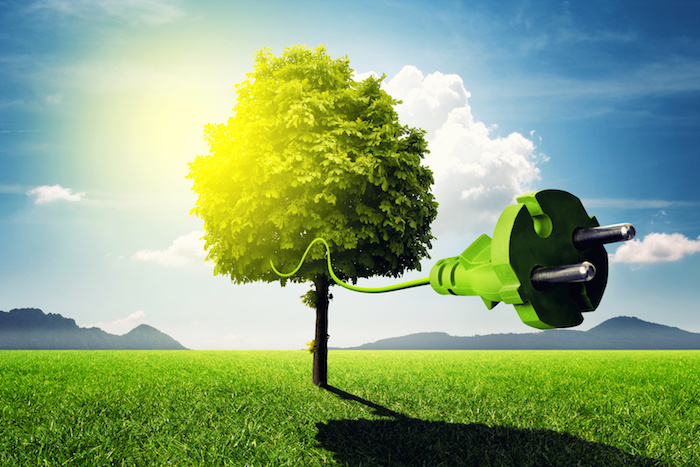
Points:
[(405, 441)]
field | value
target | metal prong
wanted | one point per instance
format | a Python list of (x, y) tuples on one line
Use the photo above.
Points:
[(579, 272), (585, 238)]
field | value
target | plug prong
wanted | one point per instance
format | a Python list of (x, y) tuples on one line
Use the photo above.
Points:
[(579, 272), (585, 238)]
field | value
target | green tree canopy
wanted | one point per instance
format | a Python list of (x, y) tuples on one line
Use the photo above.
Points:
[(310, 152)]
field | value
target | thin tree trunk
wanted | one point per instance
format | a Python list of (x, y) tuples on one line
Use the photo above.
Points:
[(320, 365)]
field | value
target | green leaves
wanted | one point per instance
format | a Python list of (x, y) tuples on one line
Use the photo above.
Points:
[(310, 152)]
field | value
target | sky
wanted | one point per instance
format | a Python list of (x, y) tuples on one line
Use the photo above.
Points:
[(103, 104)]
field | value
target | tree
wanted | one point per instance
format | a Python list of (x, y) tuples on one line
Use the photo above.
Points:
[(310, 152)]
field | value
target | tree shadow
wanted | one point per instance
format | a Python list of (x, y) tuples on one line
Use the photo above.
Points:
[(378, 409), (406, 441)]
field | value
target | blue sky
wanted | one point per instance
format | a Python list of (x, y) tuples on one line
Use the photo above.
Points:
[(103, 103)]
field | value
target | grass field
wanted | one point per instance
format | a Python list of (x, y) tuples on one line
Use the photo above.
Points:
[(383, 408)]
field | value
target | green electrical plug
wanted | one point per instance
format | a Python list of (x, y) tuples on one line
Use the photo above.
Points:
[(546, 258)]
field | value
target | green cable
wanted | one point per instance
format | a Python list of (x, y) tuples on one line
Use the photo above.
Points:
[(390, 288)]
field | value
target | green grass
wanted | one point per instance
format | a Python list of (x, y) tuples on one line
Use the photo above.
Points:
[(385, 408)]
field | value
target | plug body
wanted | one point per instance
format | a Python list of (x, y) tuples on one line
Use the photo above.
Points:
[(534, 239)]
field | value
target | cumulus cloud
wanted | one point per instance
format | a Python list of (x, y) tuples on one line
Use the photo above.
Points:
[(476, 172), (123, 325), (186, 249), (49, 194), (656, 248), (427, 100)]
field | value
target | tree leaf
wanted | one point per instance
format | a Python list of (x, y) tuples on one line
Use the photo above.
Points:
[(310, 152)]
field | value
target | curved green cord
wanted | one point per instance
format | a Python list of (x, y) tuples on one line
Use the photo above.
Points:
[(390, 288)]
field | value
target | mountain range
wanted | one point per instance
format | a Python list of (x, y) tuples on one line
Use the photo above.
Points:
[(31, 328), (622, 332)]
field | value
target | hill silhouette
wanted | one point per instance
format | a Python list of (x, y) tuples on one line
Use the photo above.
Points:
[(32, 329), (622, 332)]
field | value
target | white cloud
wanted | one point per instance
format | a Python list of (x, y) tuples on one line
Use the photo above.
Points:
[(656, 248), (186, 249), (477, 174), (427, 101), (48, 194), (123, 325)]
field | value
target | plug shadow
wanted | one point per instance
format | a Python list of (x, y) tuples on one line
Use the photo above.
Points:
[(406, 441)]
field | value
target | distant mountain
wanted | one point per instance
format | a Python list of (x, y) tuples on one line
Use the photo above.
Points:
[(617, 333), (31, 328)]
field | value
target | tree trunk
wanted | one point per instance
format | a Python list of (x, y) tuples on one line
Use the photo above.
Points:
[(320, 365)]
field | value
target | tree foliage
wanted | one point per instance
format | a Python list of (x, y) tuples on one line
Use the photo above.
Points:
[(310, 152)]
